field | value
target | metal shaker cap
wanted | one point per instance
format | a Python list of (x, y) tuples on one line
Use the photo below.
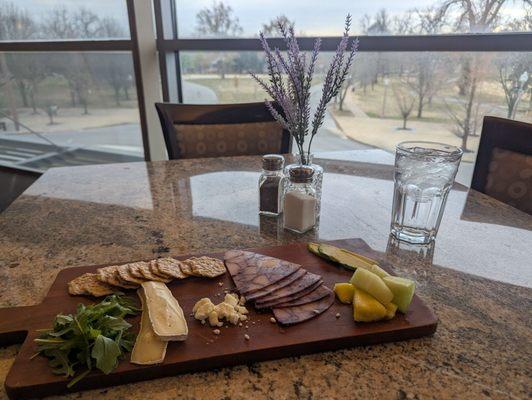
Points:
[(301, 174), (272, 162)]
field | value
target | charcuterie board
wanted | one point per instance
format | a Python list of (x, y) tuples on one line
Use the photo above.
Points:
[(203, 350)]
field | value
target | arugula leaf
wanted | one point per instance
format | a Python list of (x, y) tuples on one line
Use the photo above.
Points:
[(95, 336), (106, 352)]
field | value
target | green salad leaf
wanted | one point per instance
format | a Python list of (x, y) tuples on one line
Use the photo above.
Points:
[(96, 336)]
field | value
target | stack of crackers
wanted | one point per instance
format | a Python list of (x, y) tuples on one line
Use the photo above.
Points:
[(115, 278)]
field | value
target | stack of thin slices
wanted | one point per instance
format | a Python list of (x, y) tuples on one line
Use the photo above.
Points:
[(113, 278)]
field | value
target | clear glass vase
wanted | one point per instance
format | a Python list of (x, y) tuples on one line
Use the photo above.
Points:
[(306, 159)]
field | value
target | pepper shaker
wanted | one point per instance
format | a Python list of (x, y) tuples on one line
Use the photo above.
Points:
[(270, 183)]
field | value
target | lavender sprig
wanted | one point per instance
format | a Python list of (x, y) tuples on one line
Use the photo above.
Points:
[(290, 81)]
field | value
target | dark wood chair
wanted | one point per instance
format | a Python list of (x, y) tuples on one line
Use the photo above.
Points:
[(503, 169), (218, 130)]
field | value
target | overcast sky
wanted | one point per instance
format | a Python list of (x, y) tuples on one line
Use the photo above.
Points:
[(323, 17)]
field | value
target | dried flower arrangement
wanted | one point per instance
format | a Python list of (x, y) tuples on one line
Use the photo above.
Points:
[(290, 79)]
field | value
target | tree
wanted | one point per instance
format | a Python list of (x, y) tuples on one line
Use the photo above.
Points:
[(84, 24), (465, 114), (115, 69), (473, 16), (424, 77), (15, 24), (218, 21), (514, 78), (379, 24), (272, 27), (247, 61), (515, 70), (344, 89), (405, 101)]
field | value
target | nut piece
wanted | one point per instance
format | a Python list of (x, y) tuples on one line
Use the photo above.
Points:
[(273, 320), (337, 315), (246, 336), (216, 331)]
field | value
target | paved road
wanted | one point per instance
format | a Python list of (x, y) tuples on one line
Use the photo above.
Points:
[(126, 138)]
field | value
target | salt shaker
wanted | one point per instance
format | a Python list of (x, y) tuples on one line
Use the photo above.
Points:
[(270, 182), (299, 200)]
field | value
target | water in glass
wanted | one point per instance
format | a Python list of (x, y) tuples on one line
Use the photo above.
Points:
[(424, 174)]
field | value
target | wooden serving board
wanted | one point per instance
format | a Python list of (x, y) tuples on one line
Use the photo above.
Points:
[(203, 350)]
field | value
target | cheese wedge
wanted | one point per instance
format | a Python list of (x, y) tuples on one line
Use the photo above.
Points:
[(149, 348), (166, 316)]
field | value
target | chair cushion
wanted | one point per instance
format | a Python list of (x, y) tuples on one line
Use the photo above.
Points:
[(510, 178), (219, 140)]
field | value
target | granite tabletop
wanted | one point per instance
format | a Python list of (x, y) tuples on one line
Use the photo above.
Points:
[(476, 276)]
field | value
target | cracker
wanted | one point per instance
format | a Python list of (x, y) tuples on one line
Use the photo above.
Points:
[(134, 270), (89, 284), (154, 269), (125, 276), (170, 267), (110, 275), (186, 268), (207, 267), (146, 272)]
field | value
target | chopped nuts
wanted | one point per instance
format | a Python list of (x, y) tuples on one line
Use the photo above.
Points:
[(246, 336), (337, 315), (216, 331), (220, 283), (273, 320), (240, 324)]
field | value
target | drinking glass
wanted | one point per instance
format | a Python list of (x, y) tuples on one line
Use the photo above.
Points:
[(424, 174)]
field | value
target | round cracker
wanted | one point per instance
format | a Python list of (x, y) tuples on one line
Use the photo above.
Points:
[(170, 267), (207, 267)]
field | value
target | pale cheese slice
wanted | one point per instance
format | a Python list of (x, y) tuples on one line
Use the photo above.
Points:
[(166, 316), (149, 348)]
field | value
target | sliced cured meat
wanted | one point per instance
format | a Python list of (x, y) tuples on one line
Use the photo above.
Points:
[(281, 284), (297, 314), (303, 283), (301, 293), (320, 292), (252, 271)]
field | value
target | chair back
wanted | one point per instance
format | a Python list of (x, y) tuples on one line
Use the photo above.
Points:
[(219, 130), (503, 168)]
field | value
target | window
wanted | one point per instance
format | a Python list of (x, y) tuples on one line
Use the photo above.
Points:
[(68, 92), (420, 73)]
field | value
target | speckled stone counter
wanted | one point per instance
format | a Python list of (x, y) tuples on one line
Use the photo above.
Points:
[(476, 278)]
